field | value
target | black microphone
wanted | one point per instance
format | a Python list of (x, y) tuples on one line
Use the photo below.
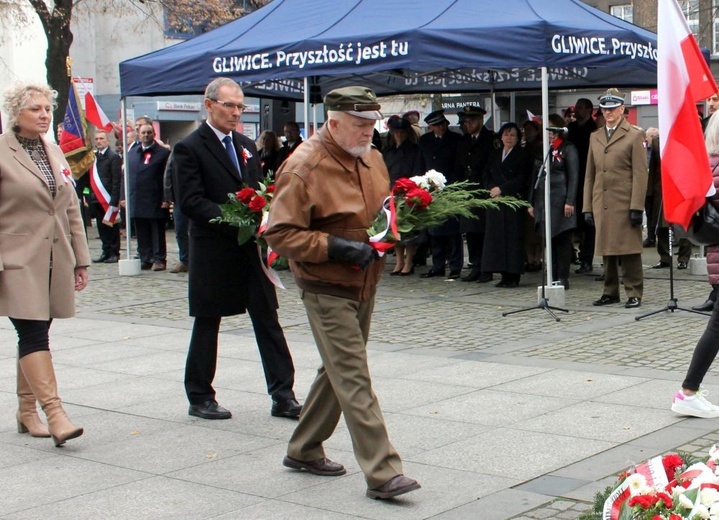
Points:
[(557, 129)]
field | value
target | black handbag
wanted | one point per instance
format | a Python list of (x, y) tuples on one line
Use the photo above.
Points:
[(704, 226)]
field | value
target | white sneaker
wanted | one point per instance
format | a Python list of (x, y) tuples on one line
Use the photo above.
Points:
[(695, 405)]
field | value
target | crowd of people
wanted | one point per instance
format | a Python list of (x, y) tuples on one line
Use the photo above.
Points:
[(602, 177)]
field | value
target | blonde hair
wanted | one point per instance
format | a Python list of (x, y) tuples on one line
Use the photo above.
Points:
[(17, 97), (711, 134)]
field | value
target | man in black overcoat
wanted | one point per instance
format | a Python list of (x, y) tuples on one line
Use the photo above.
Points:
[(472, 154), (225, 278)]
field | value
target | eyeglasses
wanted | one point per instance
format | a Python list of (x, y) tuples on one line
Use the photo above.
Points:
[(231, 106)]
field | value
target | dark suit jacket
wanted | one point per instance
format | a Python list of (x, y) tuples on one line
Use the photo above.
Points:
[(146, 170), (224, 277), (109, 168), (286, 151)]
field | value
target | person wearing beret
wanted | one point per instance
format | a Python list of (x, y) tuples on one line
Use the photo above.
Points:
[(343, 179), (43, 253), (614, 191), (438, 151), (400, 156), (472, 154)]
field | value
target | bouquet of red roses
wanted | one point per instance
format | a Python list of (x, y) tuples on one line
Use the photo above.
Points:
[(427, 201), (247, 209)]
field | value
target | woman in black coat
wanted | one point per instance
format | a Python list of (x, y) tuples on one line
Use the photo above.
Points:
[(507, 173), (402, 159), (563, 179), (269, 153)]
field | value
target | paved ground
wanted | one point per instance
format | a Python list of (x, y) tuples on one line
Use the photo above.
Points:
[(497, 417)]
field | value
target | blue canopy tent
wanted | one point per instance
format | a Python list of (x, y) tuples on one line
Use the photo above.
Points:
[(300, 49), (406, 46)]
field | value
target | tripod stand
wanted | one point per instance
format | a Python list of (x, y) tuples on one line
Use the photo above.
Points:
[(543, 300), (672, 305)]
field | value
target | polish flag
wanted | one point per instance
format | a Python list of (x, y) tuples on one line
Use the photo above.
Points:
[(95, 115), (684, 79), (532, 117)]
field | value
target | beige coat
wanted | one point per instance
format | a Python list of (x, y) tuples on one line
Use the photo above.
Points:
[(616, 182), (34, 228)]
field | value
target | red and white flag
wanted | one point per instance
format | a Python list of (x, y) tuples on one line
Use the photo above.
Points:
[(95, 115), (684, 79), (532, 117)]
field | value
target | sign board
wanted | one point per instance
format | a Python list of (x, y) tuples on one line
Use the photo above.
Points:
[(643, 97), (83, 85), (179, 106)]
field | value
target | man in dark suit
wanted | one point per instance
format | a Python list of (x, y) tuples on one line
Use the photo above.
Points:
[(146, 167), (106, 188), (293, 139), (225, 278), (438, 151)]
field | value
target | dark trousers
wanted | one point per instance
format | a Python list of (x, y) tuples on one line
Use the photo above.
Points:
[(475, 246), (274, 353), (685, 247), (447, 249), (109, 235), (151, 245), (586, 241), (561, 255), (32, 335), (182, 227), (704, 353)]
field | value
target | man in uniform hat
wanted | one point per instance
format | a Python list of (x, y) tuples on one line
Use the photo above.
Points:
[(344, 180), (614, 191), (472, 154), (438, 151)]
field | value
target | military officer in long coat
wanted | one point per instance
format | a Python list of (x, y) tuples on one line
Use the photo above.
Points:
[(614, 191)]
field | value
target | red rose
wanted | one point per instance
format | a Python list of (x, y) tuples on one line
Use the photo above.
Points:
[(671, 463), (270, 188), (418, 197), (257, 203), (245, 195), (403, 185), (643, 501)]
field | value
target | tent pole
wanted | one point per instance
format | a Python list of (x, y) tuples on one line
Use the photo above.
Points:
[(306, 108), (128, 266), (547, 176)]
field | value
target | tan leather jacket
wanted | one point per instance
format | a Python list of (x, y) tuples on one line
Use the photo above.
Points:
[(322, 190)]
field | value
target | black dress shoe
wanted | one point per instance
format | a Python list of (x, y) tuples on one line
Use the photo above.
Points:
[(633, 302), (584, 268), (322, 467), (660, 265), (289, 409), (431, 274), (99, 260), (407, 273), (501, 283), (146, 266), (682, 265), (453, 275), (605, 300), (397, 485), (473, 276), (564, 283), (486, 277), (707, 306), (209, 410), (395, 273), (112, 259), (648, 242)]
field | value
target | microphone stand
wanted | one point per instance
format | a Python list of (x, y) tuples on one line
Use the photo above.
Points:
[(672, 305), (543, 300)]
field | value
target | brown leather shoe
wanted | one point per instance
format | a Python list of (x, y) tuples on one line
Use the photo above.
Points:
[(179, 268), (397, 485), (159, 266), (322, 467)]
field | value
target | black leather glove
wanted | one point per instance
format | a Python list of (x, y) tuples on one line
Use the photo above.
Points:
[(589, 218), (635, 217), (350, 251)]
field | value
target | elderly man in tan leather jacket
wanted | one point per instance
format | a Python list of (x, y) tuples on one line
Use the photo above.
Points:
[(328, 192)]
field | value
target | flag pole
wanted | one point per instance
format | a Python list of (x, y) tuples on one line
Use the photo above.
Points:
[(129, 266)]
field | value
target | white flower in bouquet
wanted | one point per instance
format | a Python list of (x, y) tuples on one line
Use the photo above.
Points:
[(637, 484), (701, 511), (430, 180), (714, 453), (709, 496)]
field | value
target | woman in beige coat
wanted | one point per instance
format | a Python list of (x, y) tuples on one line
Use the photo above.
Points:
[(43, 253)]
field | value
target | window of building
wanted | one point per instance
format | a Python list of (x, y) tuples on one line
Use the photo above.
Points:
[(625, 12), (690, 8)]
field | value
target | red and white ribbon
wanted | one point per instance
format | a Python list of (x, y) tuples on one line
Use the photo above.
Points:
[(270, 273), (102, 195), (390, 212)]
